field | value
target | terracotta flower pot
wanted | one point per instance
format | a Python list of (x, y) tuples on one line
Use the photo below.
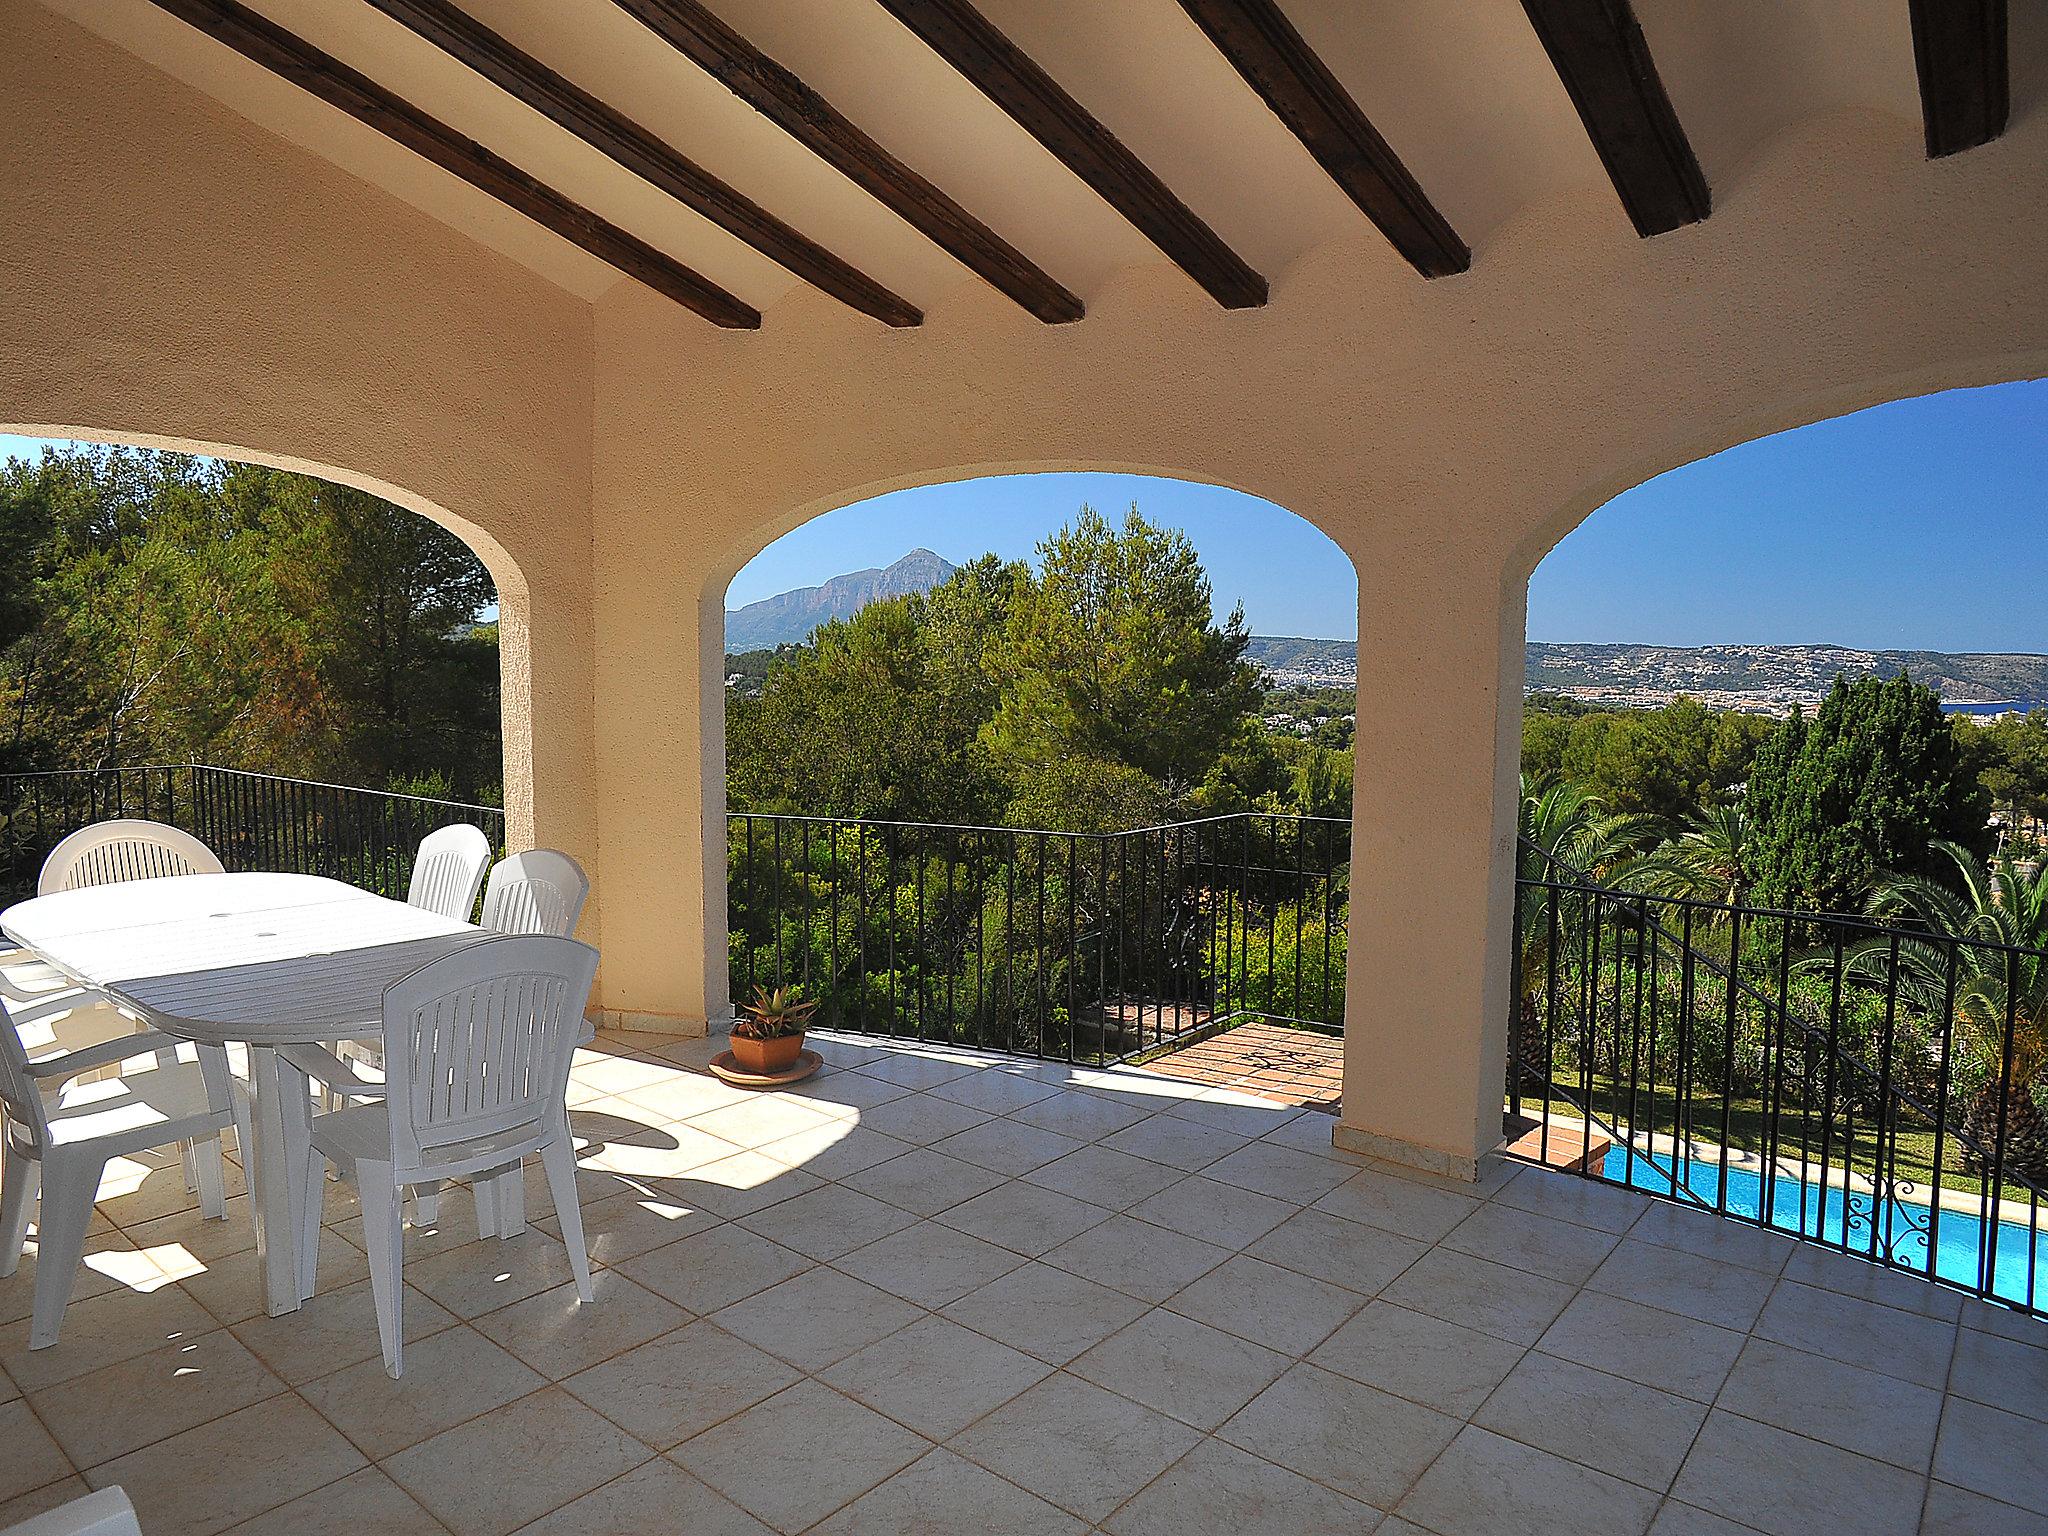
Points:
[(766, 1056)]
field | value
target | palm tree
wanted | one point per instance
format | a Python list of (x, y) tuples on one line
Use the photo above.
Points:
[(1704, 863), (2000, 977), (1568, 837)]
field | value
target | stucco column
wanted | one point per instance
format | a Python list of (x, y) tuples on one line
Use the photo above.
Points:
[(1432, 889)]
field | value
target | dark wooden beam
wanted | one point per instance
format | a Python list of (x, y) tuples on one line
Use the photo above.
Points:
[(1959, 49), (1005, 74), (612, 133), (298, 61), (1262, 45), (815, 123), (1598, 50)]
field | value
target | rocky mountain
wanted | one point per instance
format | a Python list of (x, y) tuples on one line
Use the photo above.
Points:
[(791, 616)]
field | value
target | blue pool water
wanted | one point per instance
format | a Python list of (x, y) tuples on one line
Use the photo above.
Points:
[(2018, 1260)]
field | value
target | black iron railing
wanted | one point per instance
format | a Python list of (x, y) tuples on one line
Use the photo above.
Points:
[(1082, 946), (1866, 1086), (252, 820)]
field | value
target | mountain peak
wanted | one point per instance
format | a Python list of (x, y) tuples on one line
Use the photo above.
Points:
[(791, 616)]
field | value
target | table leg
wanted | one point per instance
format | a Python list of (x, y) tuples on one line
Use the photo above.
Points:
[(275, 1086)]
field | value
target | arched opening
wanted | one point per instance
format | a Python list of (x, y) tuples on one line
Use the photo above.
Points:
[(1779, 939), (1006, 770), (290, 661)]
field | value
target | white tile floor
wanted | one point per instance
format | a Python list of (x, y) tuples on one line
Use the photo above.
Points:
[(932, 1294)]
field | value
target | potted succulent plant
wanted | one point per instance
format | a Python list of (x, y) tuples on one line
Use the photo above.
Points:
[(768, 1035)]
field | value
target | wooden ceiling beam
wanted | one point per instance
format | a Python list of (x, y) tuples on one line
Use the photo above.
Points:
[(613, 134), (1598, 50), (1005, 74), (1263, 46), (814, 122), (293, 58), (1959, 51)]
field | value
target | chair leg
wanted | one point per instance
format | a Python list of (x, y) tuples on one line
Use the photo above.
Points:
[(426, 1203), (212, 1181), (384, 1230), (559, 1159), (188, 1161), (483, 1188), (68, 1187), (19, 1177), (512, 1201)]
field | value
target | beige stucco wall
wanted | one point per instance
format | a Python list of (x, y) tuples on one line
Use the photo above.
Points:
[(172, 270)]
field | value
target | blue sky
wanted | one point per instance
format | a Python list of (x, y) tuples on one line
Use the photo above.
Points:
[(1921, 524)]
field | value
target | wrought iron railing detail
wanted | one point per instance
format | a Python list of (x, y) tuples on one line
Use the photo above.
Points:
[(1870, 1087), (1081, 946)]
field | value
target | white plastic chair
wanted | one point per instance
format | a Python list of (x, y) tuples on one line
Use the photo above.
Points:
[(65, 1121), (448, 871), (106, 1512), (111, 851), (539, 891), (478, 1046)]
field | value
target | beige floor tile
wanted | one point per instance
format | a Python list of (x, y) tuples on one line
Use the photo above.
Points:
[(1219, 1490), (627, 1225), (1995, 1453), (716, 1268), (2005, 1374), (835, 1148), (843, 1049), (1008, 1147), (828, 1221), (491, 1273), (840, 1094), (929, 1264), (817, 1318), (1177, 1143), (1704, 1289), (1787, 1485), (670, 1388), (924, 1181), (1880, 1416), (1076, 1445), (1486, 1483), (1240, 1114), (122, 1407), (232, 1289), (1084, 1116), (362, 1502), (254, 1460), (1311, 1133), (1046, 1312), (738, 1185), (559, 1334), (1569, 1198), (914, 1069), (333, 1330), (1185, 1369), (1215, 1212), (152, 1184), (1676, 1519), (619, 1074), (1958, 1512), (540, 1452), (1300, 1177), (1713, 1237), (1424, 1359), (1644, 1344), (1849, 1276), (189, 1234), (112, 1263), (1116, 1180), (1137, 1258), (943, 1495), (1360, 1441), (1024, 1218), (1618, 1427), (995, 1089), (1399, 1205), (921, 1119), (753, 1122), (936, 1376), (636, 1151), (1543, 1245), (683, 1094), (1856, 1332), (100, 1330), (32, 1459), (1509, 1303), (1989, 1317), (1347, 1253), (654, 1496), (860, 1448), (449, 1377), (1269, 1305)]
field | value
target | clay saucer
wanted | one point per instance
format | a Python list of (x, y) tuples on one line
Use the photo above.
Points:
[(725, 1067)]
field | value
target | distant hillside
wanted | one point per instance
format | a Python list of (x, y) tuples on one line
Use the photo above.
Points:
[(1764, 677), (791, 616)]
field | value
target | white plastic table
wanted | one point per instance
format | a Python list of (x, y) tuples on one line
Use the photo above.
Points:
[(262, 960)]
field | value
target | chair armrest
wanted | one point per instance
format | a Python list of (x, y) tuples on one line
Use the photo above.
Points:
[(321, 1064), (144, 1042)]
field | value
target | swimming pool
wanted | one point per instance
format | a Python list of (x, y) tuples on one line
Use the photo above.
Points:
[(2017, 1262)]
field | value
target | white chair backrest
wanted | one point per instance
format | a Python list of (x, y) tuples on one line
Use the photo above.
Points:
[(28, 1119), (477, 1047), (448, 871), (540, 891), (104, 1513), (111, 851)]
